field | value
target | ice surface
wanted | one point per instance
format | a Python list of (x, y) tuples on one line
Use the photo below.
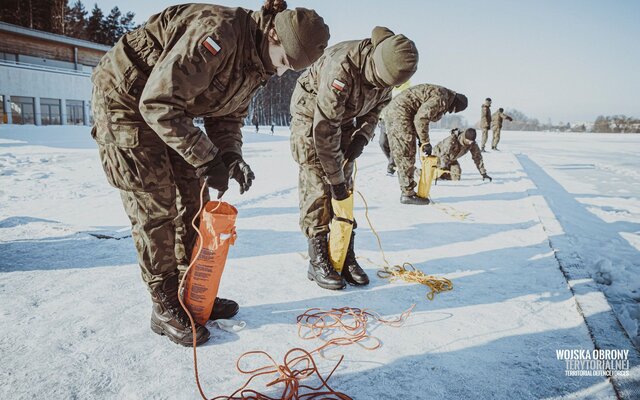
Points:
[(74, 311)]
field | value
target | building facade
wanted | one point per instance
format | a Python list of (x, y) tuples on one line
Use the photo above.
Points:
[(45, 79)]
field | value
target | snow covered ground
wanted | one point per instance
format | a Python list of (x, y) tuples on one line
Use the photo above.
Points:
[(74, 314)]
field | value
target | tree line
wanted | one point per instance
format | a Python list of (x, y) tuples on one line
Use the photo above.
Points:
[(58, 16), (602, 124), (270, 105)]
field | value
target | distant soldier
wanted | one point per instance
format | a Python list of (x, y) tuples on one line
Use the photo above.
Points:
[(272, 128), (407, 118), (485, 121), (456, 145), (384, 145), (254, 121), (496, 125)]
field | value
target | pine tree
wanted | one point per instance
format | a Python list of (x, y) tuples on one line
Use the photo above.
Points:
[(57, 12), (95, 26), (126, 22), (41, 15), (112, 27), (76, 21)]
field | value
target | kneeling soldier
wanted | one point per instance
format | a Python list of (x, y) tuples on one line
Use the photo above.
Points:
[(456, 145)]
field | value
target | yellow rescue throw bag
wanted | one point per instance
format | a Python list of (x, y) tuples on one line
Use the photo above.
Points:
[(427, 175), (218, 230), (340, 234)]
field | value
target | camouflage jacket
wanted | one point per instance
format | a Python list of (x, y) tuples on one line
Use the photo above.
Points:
[(421, 104), (485, 116), (333, 92), (190, 60), (451, 148), (497, 118)]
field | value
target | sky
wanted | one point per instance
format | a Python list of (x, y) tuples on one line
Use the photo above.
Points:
[(562, 60)]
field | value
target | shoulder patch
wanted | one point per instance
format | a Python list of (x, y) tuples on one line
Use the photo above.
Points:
[(211, 45), (338, 85)]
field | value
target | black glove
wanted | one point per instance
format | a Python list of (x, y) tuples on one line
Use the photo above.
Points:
[(339, 191), (485, 176), (355, 147), (427, 149), (215, 174), (239, 170)]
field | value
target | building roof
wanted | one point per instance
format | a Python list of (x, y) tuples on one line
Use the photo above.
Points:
[(52, 37)]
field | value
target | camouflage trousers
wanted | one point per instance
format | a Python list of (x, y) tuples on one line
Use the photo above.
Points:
[(402, 136), (384, 145), (454, 172), (159, 190), (314, 189), (485, 136), (496, 137)]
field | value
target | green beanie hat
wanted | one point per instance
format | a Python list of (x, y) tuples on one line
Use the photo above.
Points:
[(459, 103), (470, 134), (303, 34), (395, 56)]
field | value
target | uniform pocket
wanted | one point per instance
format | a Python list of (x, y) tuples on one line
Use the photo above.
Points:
[(142, 168), (111, 128), (302, 144)]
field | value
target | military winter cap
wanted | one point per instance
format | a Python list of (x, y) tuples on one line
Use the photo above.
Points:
[(303, 34), (488, 99), (395, 56), (470, 134), (459, 103)]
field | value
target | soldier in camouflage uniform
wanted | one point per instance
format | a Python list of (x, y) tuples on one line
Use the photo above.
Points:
[(407, 117), (335, 108), (485, 121), (191, 60), (496, 126), (456, 145)]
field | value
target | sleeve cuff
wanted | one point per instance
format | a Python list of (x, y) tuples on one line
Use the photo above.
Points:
[(336, 178), (201, 152)]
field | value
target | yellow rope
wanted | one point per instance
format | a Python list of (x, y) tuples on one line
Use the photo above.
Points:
[(451, 211), (406, 272), (445, 208)]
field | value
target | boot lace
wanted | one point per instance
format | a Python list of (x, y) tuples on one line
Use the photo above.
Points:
[(169, 299)]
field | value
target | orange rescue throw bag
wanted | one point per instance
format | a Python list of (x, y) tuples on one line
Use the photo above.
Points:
[(218, 232)]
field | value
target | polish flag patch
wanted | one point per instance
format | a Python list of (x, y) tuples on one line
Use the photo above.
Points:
[(338, 85), (211, 45)]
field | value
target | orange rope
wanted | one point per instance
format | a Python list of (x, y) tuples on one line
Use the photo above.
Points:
[(180, 288), (317, 324), (353, 322)]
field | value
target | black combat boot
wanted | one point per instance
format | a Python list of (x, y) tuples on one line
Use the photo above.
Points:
[(169, 318), (391, 169), (413, 199), (320, 268), (351, 271), (223, 309)]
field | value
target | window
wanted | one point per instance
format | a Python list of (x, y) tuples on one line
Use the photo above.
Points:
[(75, 112), (50, 111), (8, 57), (3, 114), (22, 111)]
